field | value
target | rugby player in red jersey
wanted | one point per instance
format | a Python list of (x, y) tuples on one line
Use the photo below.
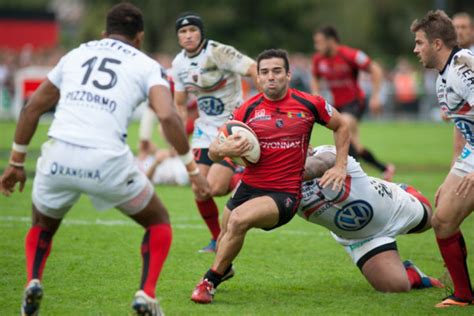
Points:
[(339, 65), (269, 193)]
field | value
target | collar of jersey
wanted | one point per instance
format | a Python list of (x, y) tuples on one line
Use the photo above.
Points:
[(453, 52)]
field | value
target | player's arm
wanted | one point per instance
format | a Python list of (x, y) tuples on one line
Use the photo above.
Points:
[(145, 132), (173, 129), (337, 174), (315, 86), (180, 99), (376, 75), (316, 166), (252, 73), (458, 144), (43, 100), (464, 85)]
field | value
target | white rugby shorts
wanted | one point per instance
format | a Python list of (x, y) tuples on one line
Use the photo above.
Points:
[(110, 179), (408, 215), (465, 162), (204, 133)]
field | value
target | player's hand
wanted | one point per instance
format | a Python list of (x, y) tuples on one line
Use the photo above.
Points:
[(10, 178), (200, 187), (336, 175), (444, 116), (375, 105), (466, 185), (235, 146)]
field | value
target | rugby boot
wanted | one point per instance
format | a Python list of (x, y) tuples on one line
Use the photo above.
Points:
[(144, 305), (203, 292), (426, 281), (452, 300), (211, 247), (32, 298)]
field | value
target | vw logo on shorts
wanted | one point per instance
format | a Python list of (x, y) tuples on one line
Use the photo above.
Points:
[(354, 216)]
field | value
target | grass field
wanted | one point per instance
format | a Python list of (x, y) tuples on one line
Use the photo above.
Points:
[(299, 269)]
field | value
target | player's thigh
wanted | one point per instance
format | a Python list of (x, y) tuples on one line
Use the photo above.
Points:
[(219, 177), (154, 213), (453, 208), (54, 190), (259, 212), (386, 273)]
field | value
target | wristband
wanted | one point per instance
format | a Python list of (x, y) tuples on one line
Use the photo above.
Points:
[(195, 172), (20, 148), (16, 164), (187, 157)]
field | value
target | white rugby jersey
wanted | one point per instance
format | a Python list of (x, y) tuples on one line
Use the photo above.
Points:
[(455, 90), (214, 76), (101, 83), (363, 207)]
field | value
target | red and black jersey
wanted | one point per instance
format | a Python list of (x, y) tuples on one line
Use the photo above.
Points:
[(283, 129), (341, 71)]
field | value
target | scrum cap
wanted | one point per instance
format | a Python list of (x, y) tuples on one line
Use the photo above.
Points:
[(189, 18)]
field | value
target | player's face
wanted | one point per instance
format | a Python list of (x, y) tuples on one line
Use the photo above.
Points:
[(424, 50), (189, 38), (273, 78), (464, 31), (321, 44)]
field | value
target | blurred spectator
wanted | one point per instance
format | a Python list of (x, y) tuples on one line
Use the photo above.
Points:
[(300, 72), (464, 30), (405, 83)]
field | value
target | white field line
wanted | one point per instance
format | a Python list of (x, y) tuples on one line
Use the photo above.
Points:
[(9, 221)]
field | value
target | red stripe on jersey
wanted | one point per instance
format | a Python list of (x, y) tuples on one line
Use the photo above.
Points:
[(346, 188), (310, 211), (465, 108)]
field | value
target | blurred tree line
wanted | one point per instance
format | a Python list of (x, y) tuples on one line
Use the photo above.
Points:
[(379, 27)]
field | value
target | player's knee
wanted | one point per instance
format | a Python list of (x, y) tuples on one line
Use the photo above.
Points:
[(442, 225), (237, 224), (218, 189)]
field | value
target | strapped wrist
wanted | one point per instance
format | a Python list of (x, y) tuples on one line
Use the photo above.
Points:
[(187, 157), (23, 149), (194, 172), (16, 164)]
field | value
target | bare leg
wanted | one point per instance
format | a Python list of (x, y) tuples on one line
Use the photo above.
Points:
[(261, 212), (386, 273), (451, 211)]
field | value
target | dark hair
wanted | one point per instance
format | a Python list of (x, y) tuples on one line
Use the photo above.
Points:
[(274, 53), (329, 32), (436, 25), (124, 19), (189, 18)]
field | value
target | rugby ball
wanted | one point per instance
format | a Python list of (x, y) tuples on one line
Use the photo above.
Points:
[(232, 127)]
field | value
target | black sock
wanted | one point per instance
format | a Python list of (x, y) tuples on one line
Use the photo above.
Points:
[(370, 158), (213, 277), (228, 269)]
